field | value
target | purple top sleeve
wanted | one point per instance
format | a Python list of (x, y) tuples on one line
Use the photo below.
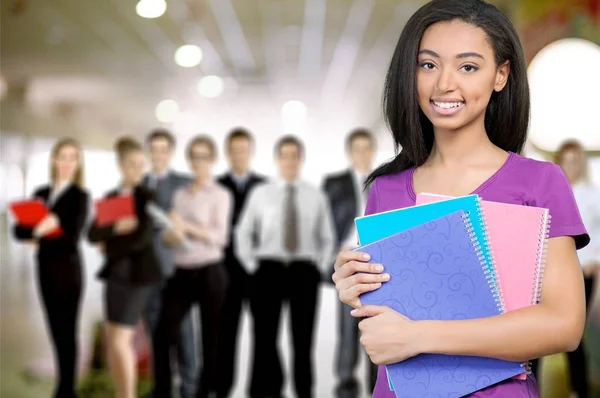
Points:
[(554, 193)]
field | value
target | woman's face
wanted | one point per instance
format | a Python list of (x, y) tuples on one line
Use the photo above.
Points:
[(571, 162), (456, 74), (66, 163), (201, 160), (133, 166)]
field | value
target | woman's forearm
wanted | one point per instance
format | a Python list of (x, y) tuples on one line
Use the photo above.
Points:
[(196, 231), (520, 335)]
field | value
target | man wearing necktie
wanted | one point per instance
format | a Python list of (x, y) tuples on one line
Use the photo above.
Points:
[(294, 248), (347, 198), (164, 182)]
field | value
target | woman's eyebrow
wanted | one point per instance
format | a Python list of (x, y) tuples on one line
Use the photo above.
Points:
[(461, 55)]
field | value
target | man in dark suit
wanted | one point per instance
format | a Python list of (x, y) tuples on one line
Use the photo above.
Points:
[(239, 181), (347, 199), (164, 182)]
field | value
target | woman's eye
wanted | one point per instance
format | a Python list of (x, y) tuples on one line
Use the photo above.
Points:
[(469, 68), (427, 65)]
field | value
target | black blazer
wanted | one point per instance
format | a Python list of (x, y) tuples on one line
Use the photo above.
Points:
[(239, 199), (71, 208), (130, 259), (343, 202), (341, 193)]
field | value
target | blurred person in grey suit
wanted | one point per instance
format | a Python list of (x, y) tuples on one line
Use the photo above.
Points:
[(164, 182), (347, 199), (239, 181)]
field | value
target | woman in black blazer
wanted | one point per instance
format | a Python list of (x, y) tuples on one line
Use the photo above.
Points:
[(59, 264), (130, 270)]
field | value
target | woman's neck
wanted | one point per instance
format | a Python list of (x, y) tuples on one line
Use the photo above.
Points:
[(461, 147), (61, 182), (128, 185), (201, 181)]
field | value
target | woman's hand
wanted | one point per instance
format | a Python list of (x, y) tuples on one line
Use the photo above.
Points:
[(173, 238), (48, 224), (126, 225), (388, 336), (177, 220), (353, 276)]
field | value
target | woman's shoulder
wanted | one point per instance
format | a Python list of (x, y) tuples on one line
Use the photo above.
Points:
[(42, 190), (143, 193), (79, 191), (398, 185), (533, 167), (395, 179)]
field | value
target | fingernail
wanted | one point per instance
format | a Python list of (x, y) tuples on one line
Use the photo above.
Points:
[(385, 277), (379, 268), (366, 256), (353, 312)]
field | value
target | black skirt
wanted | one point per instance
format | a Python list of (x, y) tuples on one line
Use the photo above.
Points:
[(124, 304)]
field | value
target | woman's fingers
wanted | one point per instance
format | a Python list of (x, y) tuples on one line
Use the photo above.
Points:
[(351, 295), (345, 256), (354, 266)]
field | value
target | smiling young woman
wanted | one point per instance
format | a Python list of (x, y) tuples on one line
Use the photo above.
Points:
[(457, 103)]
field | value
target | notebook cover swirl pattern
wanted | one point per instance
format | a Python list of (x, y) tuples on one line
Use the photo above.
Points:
[(437, 273)]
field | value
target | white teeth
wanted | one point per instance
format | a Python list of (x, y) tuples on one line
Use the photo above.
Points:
[(447, 105)]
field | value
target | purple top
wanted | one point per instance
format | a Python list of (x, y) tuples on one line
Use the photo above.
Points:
[(520, 181)]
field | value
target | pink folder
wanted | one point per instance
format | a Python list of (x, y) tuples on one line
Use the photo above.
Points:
[(518, 238)]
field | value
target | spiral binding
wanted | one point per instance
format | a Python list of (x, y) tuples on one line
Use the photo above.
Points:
[(483, 260), (491, 259), (542, 250)]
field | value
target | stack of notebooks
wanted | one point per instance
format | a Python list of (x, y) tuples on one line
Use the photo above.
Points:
[(452, 259)]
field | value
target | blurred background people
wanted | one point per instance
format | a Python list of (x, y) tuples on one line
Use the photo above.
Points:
[(239, 181), (59, 263), (201, 215), (347, 197), (131, 268), (573, 161), (164, 182), (296, 244)]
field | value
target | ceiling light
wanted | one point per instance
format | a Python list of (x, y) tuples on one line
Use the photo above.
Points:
[(188, 56), (167, 111), (210, 86), (567, 108), (151, 8)]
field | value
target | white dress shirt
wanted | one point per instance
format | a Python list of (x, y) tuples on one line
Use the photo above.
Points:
[(264, 214), (587, 197)]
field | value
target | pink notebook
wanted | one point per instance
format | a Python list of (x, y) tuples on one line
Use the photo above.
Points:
[(518, 239)]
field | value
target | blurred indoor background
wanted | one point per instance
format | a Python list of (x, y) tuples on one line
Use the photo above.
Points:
[(98, 69)]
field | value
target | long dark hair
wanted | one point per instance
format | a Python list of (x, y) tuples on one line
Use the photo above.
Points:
[(507, 114)]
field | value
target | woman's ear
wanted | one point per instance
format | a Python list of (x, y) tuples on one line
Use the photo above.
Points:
[(502, 76)]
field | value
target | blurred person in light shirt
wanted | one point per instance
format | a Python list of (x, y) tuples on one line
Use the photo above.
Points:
[(572, 160)]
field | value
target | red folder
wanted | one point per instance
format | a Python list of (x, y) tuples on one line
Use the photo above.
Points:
[(29, 213), (111, 210)]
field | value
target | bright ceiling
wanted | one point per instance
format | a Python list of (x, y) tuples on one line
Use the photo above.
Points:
[(106, 68)]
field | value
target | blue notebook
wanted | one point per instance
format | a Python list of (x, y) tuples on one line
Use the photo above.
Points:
[(377, 226), (437, 273)]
